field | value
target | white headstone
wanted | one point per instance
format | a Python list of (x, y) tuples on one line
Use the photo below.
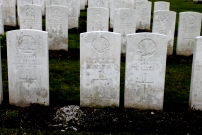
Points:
[(189, 27), (20, 3), (161, 5), (30, 17), (97, 3), (195, 100), (55, 2), (164, 23), (42, 4), (9, 12), (28, 67), (100, 69), (116, 4), (143, 14), (124, 23), (86, 2), (1, 20), (145, 71), (73, 18), (56, 26), (82, 5), (97, 19)]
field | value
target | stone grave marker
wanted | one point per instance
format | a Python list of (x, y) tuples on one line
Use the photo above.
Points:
[(30, 17), (20, 3), (73, 18), (100, 69), (145, 71), (86, 2), (42, 4), (161, 5), (116, 4), (124, 23), (82, 5), (57, 28), (55, 2), (143, 8), (1, 20), (164, 23), (189, 27), (97, 19), (9, 12), (195, 100), (28, 67), (98, 3)]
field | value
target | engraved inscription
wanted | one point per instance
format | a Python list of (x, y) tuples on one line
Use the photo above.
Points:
[(164, 23), (100, 3), (26, 44), (56, 14), (162, 6), (100, 45), (97, 26), (146, 48), (189, 24)]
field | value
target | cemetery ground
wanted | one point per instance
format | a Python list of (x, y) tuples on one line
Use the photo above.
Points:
[(64, 79)]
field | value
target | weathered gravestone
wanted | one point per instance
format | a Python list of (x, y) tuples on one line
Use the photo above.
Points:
[(161, 5), (86, 2), (195, 99), (164, 23), (28, 70), (9, 12), (20, 3), (143, 8), (55, 2), (97, 19), (189, 27), (100, 69), (1, 20), (82, 5), (124, 23), (73, 15), (57, 28), (145, 71), (42, 4), (98, 3), (30, 17), (116, 4)]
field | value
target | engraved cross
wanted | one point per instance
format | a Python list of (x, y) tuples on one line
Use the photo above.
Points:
[(145, 83), (28, 78)]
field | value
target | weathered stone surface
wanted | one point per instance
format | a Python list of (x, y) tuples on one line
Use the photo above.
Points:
[(55, 2), (145, 71), (1, 20), (124, 23), (164, 23), (116, 4), (100, 69), (30, 17), (42, 4), (98, 3), (86, 2), (195, 100), (161, 5), (189, 27), (20, 3), (82, 5), (28, 70), (9, 12), (97, 19), (73, 15), (56, 26), (143, 8)]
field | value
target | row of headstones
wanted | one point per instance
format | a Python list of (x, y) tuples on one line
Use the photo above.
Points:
[(127, 21), (28, 72), (9, 9)]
